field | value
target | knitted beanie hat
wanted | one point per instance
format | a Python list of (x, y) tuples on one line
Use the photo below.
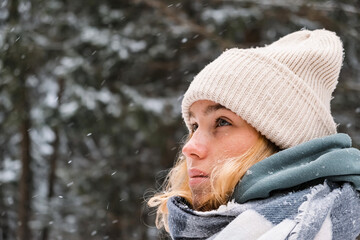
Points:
[(283, 90)]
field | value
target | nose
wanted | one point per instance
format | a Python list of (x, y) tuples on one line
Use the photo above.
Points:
[(197, 146)]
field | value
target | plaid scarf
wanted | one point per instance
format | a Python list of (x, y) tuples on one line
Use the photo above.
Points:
[(325, 211)]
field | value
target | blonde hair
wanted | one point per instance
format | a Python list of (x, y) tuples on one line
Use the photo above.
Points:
[(223, 180)]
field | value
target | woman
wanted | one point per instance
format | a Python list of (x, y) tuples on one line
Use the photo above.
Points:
[(263, 159)]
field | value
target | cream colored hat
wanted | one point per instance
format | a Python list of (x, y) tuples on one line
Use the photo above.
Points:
[(283, 90)]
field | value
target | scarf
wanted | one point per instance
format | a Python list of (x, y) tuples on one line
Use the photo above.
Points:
[(278, 198)]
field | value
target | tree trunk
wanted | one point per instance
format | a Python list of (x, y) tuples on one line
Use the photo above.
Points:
[(13, 9), (26, 175), (23, 111), (4, 221)]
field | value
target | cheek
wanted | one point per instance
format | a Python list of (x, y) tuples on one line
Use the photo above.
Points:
[(239, 143), (234, 148)]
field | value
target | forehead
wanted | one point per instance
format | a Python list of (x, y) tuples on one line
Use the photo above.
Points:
[(205, 107)]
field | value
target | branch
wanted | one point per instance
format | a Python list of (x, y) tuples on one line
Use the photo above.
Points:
[(180, 18), (319, 6)]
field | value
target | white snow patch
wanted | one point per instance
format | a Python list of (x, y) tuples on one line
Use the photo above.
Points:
[(223, 208), (95, 36), (68, 109), (10, 171), (43, 138), (67, 65), (155, 105), (222, 14)]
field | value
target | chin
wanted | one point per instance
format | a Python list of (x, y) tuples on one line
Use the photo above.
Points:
[(199, 199)]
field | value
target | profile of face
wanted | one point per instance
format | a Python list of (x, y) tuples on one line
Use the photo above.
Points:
[(217, 134)]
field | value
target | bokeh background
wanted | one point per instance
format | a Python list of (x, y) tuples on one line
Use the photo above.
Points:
[(90, 95)]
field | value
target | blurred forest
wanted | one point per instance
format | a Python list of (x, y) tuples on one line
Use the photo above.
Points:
[(90, 95)]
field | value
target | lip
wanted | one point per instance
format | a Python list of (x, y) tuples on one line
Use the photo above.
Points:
[(194, 172), (197, 176)]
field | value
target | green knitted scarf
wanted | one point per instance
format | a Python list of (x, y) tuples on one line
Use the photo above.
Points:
[(331, 158)]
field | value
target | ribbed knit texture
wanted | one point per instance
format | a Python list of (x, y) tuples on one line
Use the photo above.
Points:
[(283, 90)]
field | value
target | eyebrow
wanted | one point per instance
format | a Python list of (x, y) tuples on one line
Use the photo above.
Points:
[(210, 109)]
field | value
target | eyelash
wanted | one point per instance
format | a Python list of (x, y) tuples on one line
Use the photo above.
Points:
[(217, 124), (221, 119)]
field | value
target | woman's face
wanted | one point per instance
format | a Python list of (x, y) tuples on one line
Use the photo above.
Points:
[(217, 134)]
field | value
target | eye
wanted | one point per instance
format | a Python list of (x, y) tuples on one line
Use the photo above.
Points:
[(194, 126), (222, 122)]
